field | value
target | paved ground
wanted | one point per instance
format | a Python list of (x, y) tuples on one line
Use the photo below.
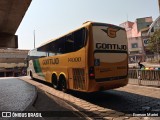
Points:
[(112, 104), (53, 108), (19, 96), (16, 95)]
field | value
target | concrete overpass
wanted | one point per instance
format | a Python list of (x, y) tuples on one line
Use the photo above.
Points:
[(11, 15)]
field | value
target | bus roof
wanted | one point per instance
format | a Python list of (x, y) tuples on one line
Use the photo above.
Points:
[(83, 25)]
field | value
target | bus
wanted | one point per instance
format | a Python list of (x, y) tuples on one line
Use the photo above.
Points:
[(93, 57)]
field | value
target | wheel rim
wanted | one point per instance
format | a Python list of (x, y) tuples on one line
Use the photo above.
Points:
[(55, 84), (64, 88)]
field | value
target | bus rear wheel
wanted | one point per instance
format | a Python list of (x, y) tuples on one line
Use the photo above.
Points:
[(63, 84)]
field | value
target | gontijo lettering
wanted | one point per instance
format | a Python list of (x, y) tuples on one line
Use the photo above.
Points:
[(51, 61), (105, 46)]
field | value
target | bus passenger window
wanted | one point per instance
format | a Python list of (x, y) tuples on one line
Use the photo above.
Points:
[(51, 54), (79, 38), (69, 44)]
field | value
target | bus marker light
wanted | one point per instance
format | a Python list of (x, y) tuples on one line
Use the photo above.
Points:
[(91, 75)]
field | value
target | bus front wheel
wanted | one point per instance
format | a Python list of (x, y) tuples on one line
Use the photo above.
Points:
[(54, 82)]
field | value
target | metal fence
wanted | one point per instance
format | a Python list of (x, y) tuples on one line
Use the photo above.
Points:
[(144, 77)]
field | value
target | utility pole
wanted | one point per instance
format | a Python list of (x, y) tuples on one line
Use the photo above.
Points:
[(159, 5), (34, 37)]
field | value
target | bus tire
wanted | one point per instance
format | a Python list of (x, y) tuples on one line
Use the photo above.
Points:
[(63, 84), (54, 81)]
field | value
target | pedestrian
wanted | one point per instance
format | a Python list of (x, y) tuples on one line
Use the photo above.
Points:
[(140, 72), (141, 65)]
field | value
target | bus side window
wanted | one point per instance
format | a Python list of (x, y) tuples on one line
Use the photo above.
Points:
[(79, 38), (60, 46), (51, 54), (69, 44), (41, 54)]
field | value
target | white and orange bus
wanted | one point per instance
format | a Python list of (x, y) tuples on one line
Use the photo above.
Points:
[(92, 58)]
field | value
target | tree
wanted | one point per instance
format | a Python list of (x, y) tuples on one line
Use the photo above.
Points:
[(154, 42)]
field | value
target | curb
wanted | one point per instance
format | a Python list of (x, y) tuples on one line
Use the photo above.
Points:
[(74, 107)]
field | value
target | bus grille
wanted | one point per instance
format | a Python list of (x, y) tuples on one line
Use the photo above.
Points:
[(78, 78)]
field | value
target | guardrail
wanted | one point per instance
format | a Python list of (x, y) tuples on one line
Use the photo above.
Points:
[(147, 76)]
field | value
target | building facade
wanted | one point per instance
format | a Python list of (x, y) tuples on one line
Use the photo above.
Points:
[(137, 38), (12, 62)]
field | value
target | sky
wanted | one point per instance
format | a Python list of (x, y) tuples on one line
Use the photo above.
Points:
[(53, 18)]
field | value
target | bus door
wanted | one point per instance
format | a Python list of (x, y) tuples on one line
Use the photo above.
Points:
[(110, 52)]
